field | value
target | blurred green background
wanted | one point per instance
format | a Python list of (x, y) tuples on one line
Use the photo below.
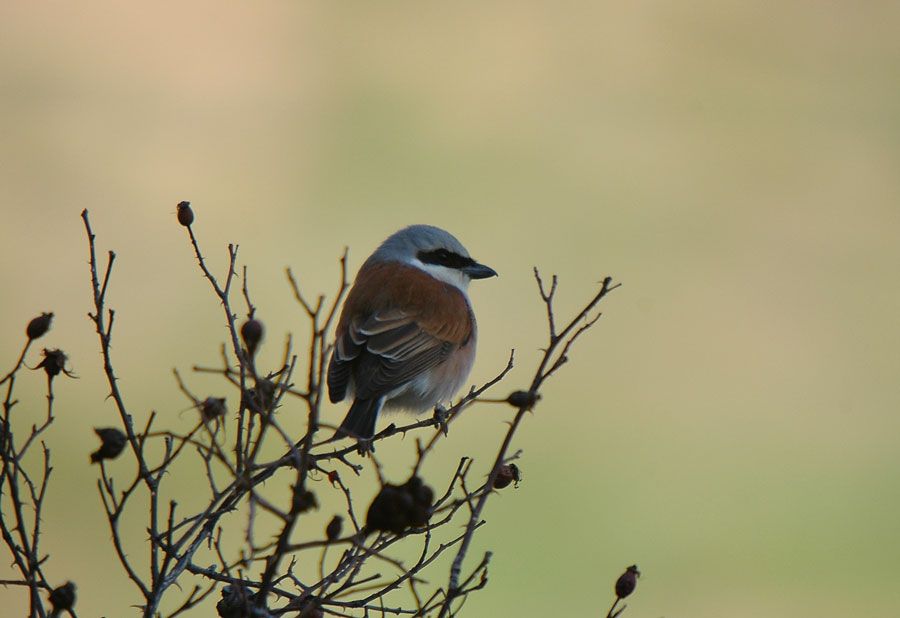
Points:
[(731, 423)]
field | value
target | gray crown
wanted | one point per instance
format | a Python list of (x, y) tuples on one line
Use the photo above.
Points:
[(403, 245)]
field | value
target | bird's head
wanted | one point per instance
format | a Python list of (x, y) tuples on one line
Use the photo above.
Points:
[(435, 251)]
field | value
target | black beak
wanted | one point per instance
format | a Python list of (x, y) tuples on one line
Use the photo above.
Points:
[(479, 271)]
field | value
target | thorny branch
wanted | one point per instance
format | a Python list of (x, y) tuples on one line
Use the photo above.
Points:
[(377, 567), (555, 355), (23, 489)]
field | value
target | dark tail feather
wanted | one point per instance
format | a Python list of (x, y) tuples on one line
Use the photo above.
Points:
[(360, 420)]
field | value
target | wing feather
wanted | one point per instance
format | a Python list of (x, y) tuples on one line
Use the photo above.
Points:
[(380, 350)]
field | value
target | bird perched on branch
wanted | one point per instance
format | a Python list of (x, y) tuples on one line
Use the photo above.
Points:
[(406, 335)]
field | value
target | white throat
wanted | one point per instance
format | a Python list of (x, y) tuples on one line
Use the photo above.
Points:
[(453, 276)]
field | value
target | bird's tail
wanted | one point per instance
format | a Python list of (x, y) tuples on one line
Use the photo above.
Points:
[(360, 420)]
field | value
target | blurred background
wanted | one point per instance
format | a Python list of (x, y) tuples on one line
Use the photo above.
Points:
[(730, 425)]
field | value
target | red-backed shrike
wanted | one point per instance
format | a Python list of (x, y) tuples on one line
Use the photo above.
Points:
[(406, 337)]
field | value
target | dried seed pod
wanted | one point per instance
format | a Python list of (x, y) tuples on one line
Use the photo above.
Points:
[(236, 602), (252, 333), (627, 581), (422, 497), (212, 408), (389, 510), (334, 527), (523, 399), (506, 475), (39, 326), (113, 443), (303, 500), (62, 598), (185, 214), (397, 508), (54, 362), (260, 398)]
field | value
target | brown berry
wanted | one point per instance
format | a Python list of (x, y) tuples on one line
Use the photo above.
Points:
[(252, 333), (506, 475), (398, 507), (523, 399), (39, 326), (388, 511), (333, 529), (627, 581), (422, 497), (303, 500), (63, 598), (185, 214), (113, 443)]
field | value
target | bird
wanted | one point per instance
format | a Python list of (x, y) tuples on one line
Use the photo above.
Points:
[(406, 336)]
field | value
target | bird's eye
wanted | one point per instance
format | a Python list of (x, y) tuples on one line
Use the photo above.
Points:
[(442, 257)]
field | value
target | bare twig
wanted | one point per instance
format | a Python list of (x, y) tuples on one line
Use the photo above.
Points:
[(549, 363)]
